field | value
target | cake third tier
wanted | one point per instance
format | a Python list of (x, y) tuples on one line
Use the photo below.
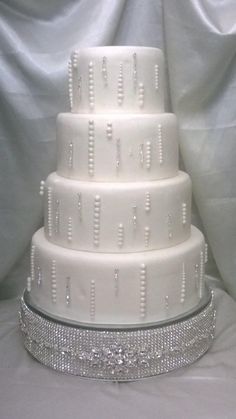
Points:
[(117, 217)]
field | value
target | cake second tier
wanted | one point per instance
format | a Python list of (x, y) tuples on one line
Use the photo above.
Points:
[(117, 217)]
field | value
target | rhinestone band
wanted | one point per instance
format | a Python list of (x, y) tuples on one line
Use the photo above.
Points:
[(117, 354)]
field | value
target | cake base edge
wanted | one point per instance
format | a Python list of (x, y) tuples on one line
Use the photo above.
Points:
[(122, 354)]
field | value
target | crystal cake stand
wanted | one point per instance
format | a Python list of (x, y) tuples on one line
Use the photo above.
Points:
[(118, 354)]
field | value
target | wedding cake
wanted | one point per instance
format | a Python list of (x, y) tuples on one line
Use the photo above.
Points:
[(117, 287)]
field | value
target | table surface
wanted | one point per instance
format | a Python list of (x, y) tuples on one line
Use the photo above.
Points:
[(206, 389)]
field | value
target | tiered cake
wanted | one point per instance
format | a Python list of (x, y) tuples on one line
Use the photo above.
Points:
[(117, 273)]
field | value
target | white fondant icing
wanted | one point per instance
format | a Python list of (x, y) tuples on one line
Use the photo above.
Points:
[(137, 132), (163, 273), (128, 66), (120, 203), (118, 199)]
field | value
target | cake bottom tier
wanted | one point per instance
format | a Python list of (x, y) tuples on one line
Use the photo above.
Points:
[(116, 289)]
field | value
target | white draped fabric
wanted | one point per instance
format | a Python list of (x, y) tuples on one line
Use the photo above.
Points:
[(199, 41)]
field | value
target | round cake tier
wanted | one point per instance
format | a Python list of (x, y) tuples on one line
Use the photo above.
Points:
[(110, 289), (117, 217), (117, 147), (116, 80)]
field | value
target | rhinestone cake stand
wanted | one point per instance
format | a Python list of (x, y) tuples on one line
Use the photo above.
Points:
[(118, 354)]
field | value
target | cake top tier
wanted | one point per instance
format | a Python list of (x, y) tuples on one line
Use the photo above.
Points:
[(116, 80)]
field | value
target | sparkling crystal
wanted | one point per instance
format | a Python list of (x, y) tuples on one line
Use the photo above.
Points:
[(117, 354)]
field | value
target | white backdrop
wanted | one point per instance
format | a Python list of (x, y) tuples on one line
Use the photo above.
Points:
[(199, 41)]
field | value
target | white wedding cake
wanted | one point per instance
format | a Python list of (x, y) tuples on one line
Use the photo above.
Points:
[(117, 249)]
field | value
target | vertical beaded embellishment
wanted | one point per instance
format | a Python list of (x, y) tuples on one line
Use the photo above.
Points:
[(39, 276), (135, 70), (147, 202), (201, 275), (79, 205), (147, 232), (79, 88), (92, 300), (196, 275), (160, 143), (148, 155), (169, 226), (53, 282), (141, 154), (32, 262), (183, 285), (70, 84), (140, 95), (120, 235), (91, 148), (91, 85), (206, 253), (116, 279), (143, 290), (57, 217), (118, 147), (28, 284), (167, 305), (70, 154), (49, 212), (75, 59), (104, 70), (96, 220), (109, 131), (156, 70), (135, 218), (184, 213), (69, 229), (120, 87), (42, 187), (68, 293)]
